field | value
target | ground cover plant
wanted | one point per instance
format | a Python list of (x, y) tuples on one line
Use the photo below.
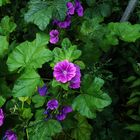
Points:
[(69, 70)]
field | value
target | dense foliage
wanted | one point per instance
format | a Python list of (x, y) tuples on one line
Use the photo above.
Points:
[(69, 70)]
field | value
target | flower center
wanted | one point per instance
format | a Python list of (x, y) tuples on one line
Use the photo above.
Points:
[(64, 72)]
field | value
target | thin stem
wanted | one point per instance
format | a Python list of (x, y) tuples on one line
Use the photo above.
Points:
[(129, 9)]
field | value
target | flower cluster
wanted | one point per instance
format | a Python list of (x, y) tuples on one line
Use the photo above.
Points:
[(52, 105), (71, 9), (1, 117), (66, 71)]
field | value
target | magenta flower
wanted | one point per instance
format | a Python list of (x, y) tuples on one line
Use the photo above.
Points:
[(67, 109), (54, 36), (76, 80), (64, 71), (42, 90), (65, 24), (61, 116), (63, 113), (79, 8), (10, 135), (71, 8), (52, 104), (1, 117)]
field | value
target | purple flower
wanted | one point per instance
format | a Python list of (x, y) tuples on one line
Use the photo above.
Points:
[(54, 36), (75, 81), (42, 90), (1, 117), (10, 135), (65, 24), (71, 8), (55, 22), (52, 104), (67, 109), (79, 8), (61, 116), (64, 71)]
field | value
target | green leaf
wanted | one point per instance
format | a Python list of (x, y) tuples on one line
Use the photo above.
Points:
[(134, 127), (125, 31), (30, 54), (56, 83), (66, 43), (82, 131), (38, 100), (92, 85), (70, 54), (3, 45), (44, 130), (26, 84), (87, 105), (41, 12), (3, 2), (7, 26), (27, 113), (2, 101)]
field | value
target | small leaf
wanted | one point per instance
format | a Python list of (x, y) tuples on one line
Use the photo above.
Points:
[(38, 100), (2, 101), (134, 127), (3, 45), (7, 26), (26, 84), (27, 114)]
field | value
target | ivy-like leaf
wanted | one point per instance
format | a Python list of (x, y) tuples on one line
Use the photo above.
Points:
[(26, 84), (30, 54), (41, 12), (44, 130), (3, 45)]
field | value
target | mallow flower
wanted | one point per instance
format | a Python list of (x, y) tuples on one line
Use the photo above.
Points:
[(65, 24), (1, 117), (54, 36), (79, 8), (64, 71), (71, 8), (52, 104), (76, 80), (42, 90), (10, 135), (63, 113)]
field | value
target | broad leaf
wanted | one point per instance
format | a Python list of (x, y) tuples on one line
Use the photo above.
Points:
[(44, 130), (30, 54), (82, 130), (41, 12), (87, 105), (3, 45), (26, 84)]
